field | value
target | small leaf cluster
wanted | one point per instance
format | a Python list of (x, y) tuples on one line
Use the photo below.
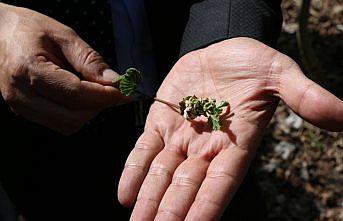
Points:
[(192, 107), (129, 81)]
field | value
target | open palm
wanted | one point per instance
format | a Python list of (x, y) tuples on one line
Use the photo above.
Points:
[(182, 170)]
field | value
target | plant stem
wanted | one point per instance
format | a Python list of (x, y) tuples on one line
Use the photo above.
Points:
[(167, 103), (159, 100)]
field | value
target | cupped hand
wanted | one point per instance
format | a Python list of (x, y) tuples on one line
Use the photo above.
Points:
[(37, 55), (182, 170)]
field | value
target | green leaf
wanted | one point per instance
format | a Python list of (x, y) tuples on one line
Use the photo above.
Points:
[(214, 122), (222, 104), (129, 82)]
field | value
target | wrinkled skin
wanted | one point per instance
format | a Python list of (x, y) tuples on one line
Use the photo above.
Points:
[(181, 170), (37, 58)]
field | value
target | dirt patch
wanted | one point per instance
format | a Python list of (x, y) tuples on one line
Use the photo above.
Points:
[(300, 167)]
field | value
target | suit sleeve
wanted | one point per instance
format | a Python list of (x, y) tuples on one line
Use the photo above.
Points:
[(211, 21)]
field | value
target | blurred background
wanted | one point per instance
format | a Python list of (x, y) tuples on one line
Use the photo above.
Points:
[(300, 167)]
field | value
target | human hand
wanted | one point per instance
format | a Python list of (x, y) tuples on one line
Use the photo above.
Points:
[(182, 170), (36, 54)]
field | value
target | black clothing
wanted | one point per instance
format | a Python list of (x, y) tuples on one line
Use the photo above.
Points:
[(216, 20), (7, 209), (52, 177)]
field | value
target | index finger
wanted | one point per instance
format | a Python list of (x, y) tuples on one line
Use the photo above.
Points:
[(138, 162), (66, 89)]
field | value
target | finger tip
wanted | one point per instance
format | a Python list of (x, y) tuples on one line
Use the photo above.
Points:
[(126, 197), (125, 201), (109, 74)]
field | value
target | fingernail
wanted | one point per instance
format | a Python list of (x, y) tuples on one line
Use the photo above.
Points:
[(109, 75)]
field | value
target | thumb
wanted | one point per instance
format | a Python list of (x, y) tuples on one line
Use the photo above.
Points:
[(311, 101), (85, 60)]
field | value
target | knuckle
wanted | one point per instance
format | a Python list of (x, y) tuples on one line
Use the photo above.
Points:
[(220, 174), (185, 181), (149, 140), (172, 215), (72, 89), (135, 166), (30, 70), (90, 56), (158, 170), (91, 61), (69, 31), (19, 71), (205, 201), (143, 145)]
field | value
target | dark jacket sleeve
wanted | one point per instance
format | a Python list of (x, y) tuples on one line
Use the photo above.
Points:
[(7, 210), (212, 21)]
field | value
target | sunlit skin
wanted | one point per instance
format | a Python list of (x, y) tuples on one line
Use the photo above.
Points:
[(182, 170)]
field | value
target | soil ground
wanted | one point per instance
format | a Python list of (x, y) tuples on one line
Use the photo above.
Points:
[(300, 167)]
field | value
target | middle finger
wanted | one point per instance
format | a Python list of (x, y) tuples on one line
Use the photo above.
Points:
[(156, 183), (183, 189)]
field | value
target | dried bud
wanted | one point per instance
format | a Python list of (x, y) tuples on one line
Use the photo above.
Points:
[(192, 107)]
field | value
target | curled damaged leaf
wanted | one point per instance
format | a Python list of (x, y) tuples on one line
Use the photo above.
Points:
[(129, 81), (192, 107)]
